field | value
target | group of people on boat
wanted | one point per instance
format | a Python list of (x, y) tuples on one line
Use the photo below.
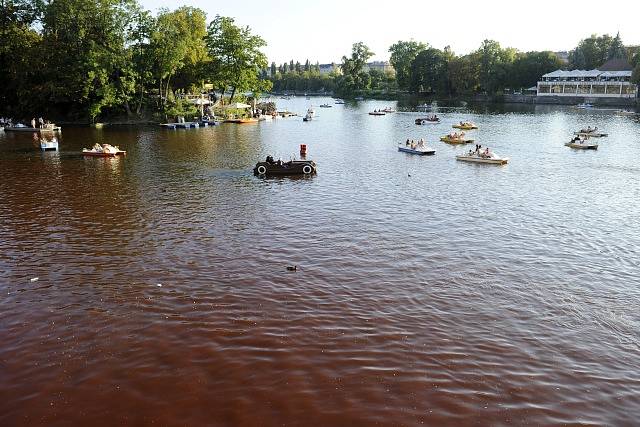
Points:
[(589, 129), (578, 139), (271, 161), (456, 135), (415, 144), (466, 124), (104, 148), (479, 152)]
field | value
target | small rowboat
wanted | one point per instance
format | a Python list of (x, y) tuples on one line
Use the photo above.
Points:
[(581, 145), (388, 110), (420, 151), (450, 140), (377, 113), (482, 158), (465, 126), (591, 134)]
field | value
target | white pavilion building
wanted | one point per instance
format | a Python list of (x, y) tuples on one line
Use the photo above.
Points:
[(611, 80)]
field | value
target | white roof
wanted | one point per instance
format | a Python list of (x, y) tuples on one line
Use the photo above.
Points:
[(573, 73), (616, 74), (586, 73)]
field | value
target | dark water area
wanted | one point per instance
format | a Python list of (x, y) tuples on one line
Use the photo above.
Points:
[(428, 291)]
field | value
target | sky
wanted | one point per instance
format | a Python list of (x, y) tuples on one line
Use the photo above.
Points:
[(324, 30)]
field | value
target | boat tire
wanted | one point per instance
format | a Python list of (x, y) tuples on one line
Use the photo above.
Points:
[(262, 170), (306, 169)]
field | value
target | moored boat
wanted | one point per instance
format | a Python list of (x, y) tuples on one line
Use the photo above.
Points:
[(272, 167), (388, 110), (325, 106), (482, 157), (22, 128), (626, 113), (584, 106)]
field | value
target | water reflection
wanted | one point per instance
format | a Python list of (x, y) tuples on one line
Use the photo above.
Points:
[(428, 291)]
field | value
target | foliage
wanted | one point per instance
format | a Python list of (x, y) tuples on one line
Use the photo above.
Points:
[(428, 72), (402, 55), (591, 52), (83, 59), (354, 78), (236, 57)]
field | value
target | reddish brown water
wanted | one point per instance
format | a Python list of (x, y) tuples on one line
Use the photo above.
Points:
[(429, 291)]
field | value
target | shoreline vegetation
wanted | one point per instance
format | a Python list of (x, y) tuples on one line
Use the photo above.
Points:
[(93, 61)]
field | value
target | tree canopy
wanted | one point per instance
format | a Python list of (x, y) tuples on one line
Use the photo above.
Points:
[(85, 58)]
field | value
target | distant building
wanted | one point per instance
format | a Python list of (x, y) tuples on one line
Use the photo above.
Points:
[(329, 68), (383, 66), (611, 80)]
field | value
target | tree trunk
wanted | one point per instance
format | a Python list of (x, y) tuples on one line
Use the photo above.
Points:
[(233, 93)]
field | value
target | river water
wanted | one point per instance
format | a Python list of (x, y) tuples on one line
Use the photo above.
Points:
[(428, 291)]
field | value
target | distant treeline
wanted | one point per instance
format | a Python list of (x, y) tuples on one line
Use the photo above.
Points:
[(421, 69), (84, 59)]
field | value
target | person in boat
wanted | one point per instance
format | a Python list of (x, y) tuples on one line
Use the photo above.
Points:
[(408, 143), (486, 152)]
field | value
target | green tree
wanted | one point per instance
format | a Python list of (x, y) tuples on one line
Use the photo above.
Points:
[(402, 54), (528, 67), (591, 52), (494, 63), (354, 77), (19, 60), (617, 49), (428, 72), (307, 66), (464, 74), (236, 57), (178, 42)]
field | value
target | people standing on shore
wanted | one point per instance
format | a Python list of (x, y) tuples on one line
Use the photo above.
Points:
[(33, 122)]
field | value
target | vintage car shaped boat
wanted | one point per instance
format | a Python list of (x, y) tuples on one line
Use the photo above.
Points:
[(271, 167)]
